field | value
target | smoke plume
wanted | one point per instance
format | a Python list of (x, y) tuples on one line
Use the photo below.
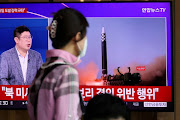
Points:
[(154, 74), (88, 74)]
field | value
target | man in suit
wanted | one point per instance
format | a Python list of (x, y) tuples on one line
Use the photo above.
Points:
[(18, 65)]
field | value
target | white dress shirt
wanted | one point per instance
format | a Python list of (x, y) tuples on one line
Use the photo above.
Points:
[(24, 63)]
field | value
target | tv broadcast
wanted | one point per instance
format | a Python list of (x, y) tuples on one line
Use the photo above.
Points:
[(129, 51)]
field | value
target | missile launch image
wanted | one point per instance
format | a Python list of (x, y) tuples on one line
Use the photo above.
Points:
[(125, 51), (104, 53), (121, 79)]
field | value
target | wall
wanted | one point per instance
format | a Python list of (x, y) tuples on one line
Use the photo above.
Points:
[(177, 59)]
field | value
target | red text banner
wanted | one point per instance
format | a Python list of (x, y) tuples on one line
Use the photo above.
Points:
[(13, 10), (140, 68), (130, 93), (13, 92), (127, 93)]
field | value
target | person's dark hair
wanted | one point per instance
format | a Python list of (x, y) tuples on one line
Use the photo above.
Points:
[(69, 23), (105, 106), (20, 30)]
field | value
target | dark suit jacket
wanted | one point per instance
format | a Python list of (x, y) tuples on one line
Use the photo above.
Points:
[(10, 67)]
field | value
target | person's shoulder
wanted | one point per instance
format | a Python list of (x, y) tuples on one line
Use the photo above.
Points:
[(71, 70), (8, 52), (66, 69), (33, 52)]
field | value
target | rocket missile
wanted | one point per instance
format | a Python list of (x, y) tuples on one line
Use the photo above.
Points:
[(104, 52)]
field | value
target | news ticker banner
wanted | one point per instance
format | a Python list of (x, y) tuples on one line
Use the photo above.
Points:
[(159, 9), (127, 93), (13, 10)]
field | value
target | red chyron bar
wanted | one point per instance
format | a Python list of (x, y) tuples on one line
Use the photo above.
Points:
[(13, 10), (130, 93), (13, 92), (127, 93)]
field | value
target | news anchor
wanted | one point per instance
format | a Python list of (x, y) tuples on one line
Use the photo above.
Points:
[(18, 65)]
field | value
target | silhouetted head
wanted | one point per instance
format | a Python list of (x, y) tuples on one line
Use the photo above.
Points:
[(106, 107)]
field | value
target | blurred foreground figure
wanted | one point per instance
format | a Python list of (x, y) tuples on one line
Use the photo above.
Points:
[(54, 93), (106, 107)]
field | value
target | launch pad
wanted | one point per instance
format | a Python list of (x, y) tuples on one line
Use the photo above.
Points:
[(121, 79)]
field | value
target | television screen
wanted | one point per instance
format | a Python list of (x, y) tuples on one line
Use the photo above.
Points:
[(129, 51)]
